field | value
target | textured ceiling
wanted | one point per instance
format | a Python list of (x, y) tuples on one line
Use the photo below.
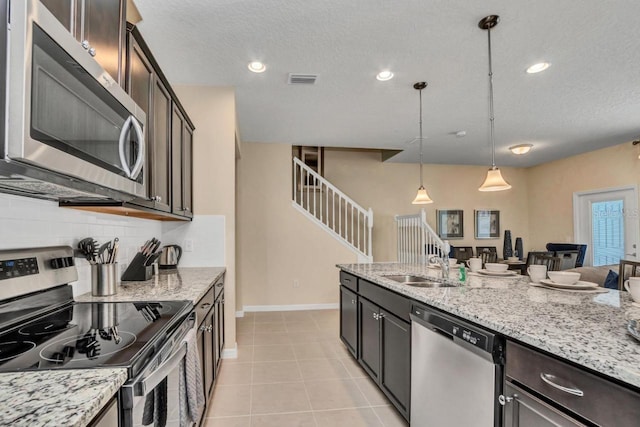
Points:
[(588, 99)]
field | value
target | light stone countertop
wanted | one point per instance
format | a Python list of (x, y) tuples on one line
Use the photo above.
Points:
[(587, 329), (189, 283), (59, 398)]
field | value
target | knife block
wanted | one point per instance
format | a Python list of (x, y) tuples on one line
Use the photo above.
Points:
[(137, 271)]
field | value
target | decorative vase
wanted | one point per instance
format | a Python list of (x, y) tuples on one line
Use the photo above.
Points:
[(507, 249), (519, 248)]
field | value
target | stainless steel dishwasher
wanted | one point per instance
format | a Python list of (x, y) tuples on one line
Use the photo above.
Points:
[(456, 372)]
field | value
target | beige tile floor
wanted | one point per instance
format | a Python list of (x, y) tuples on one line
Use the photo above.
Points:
[(293, 370)]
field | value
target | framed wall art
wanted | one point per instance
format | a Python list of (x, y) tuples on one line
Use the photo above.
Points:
[(450, 224), (487, 224)]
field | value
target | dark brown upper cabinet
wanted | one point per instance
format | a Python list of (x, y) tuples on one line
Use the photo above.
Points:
[(99, 26)]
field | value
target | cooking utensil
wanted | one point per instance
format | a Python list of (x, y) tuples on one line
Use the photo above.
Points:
[(104, 248), (113, 253)]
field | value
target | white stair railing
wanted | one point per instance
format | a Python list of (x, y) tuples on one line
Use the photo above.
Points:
[(333, 210), (417, 241)]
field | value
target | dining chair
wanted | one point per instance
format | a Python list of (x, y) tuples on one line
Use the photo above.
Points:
[(462, 253), (480, 249), (488, 257), (568, 259), (531, 255), (627, 269), (552, 262)]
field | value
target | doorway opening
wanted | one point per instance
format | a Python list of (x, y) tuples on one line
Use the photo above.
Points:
[(607, 222)]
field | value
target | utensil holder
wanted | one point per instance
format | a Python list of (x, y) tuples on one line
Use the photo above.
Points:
[(104, 278)]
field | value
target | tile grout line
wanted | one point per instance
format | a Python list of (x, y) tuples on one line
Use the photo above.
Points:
[(306, 392)]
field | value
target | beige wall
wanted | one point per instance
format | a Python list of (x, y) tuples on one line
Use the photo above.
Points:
[(213, 112), (389, 188), (277, 244), (551, 187)]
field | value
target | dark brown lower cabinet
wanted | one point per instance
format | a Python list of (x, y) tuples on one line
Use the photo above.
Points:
[(210, 337), (349, 320), (385, 352), (395, 372)]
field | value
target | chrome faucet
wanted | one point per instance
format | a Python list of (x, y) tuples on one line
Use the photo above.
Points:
[(444, 264)]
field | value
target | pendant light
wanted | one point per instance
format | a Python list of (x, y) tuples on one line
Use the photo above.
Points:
[(422, 198), (494, 180)]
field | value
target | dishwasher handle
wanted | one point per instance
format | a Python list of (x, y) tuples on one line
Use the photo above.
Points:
[(477, 339)]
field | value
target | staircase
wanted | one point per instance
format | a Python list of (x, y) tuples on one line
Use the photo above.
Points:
[(417, 241), (334, 211)]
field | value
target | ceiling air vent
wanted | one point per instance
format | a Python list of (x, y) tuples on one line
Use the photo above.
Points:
[(302, 79)]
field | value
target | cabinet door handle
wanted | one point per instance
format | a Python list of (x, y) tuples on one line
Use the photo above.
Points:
[(85, 44), (221, 284), (353, 301), (375, 316), (548, 378), (92, 51), (381, 316), (210, 328), (503, 400), (203, 328), (206, 305)]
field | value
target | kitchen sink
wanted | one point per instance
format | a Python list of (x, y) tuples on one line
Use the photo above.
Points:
[(417, 281)]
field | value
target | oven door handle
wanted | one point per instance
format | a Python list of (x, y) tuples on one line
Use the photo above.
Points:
[(144, 386)]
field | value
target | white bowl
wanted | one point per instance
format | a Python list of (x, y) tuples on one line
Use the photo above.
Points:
[(494, 266), (564, 277)]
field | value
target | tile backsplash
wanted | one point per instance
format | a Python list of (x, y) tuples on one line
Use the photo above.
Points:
[(26, 222)]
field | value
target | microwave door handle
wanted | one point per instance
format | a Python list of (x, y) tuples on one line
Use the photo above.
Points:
[(122, 145), (137, 167), (143, 387)]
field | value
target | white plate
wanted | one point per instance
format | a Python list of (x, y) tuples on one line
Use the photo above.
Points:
[(577, 285), (498, 273)]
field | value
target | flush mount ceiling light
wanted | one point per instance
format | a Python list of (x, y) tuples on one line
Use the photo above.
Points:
[(422, 198), (256, 67), (521, 148), (385, 75), (538, 68), (494, 180)]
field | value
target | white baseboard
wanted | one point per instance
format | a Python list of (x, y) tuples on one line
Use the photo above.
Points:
[(239, 313), (291, 307), (230, 353)]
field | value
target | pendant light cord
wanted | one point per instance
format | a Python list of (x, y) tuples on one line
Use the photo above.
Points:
[(491, 115), (421, 183)]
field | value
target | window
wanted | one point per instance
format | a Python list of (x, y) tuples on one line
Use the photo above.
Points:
[(608, 232)]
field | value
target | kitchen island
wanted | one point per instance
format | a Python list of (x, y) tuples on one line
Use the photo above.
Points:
[(588, 330)]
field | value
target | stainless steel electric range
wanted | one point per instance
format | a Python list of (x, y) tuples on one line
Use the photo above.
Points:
[(42, 327)]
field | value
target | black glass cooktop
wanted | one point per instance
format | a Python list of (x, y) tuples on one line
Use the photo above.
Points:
[(88, 335)]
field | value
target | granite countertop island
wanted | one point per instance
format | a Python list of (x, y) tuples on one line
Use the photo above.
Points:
[(189, 283), (588, 329), (60, 398)]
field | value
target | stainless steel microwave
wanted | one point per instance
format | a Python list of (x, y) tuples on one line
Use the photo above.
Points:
[(69, 128)]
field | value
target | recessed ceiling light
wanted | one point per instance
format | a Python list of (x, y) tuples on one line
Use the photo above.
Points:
[(539, 67), (521, 148), (257, 67), (385, 75)]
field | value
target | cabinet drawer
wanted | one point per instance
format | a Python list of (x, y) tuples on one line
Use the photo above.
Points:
[(204, 305), (390, 301), (349, 281), (602, 401), (219, 287)]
